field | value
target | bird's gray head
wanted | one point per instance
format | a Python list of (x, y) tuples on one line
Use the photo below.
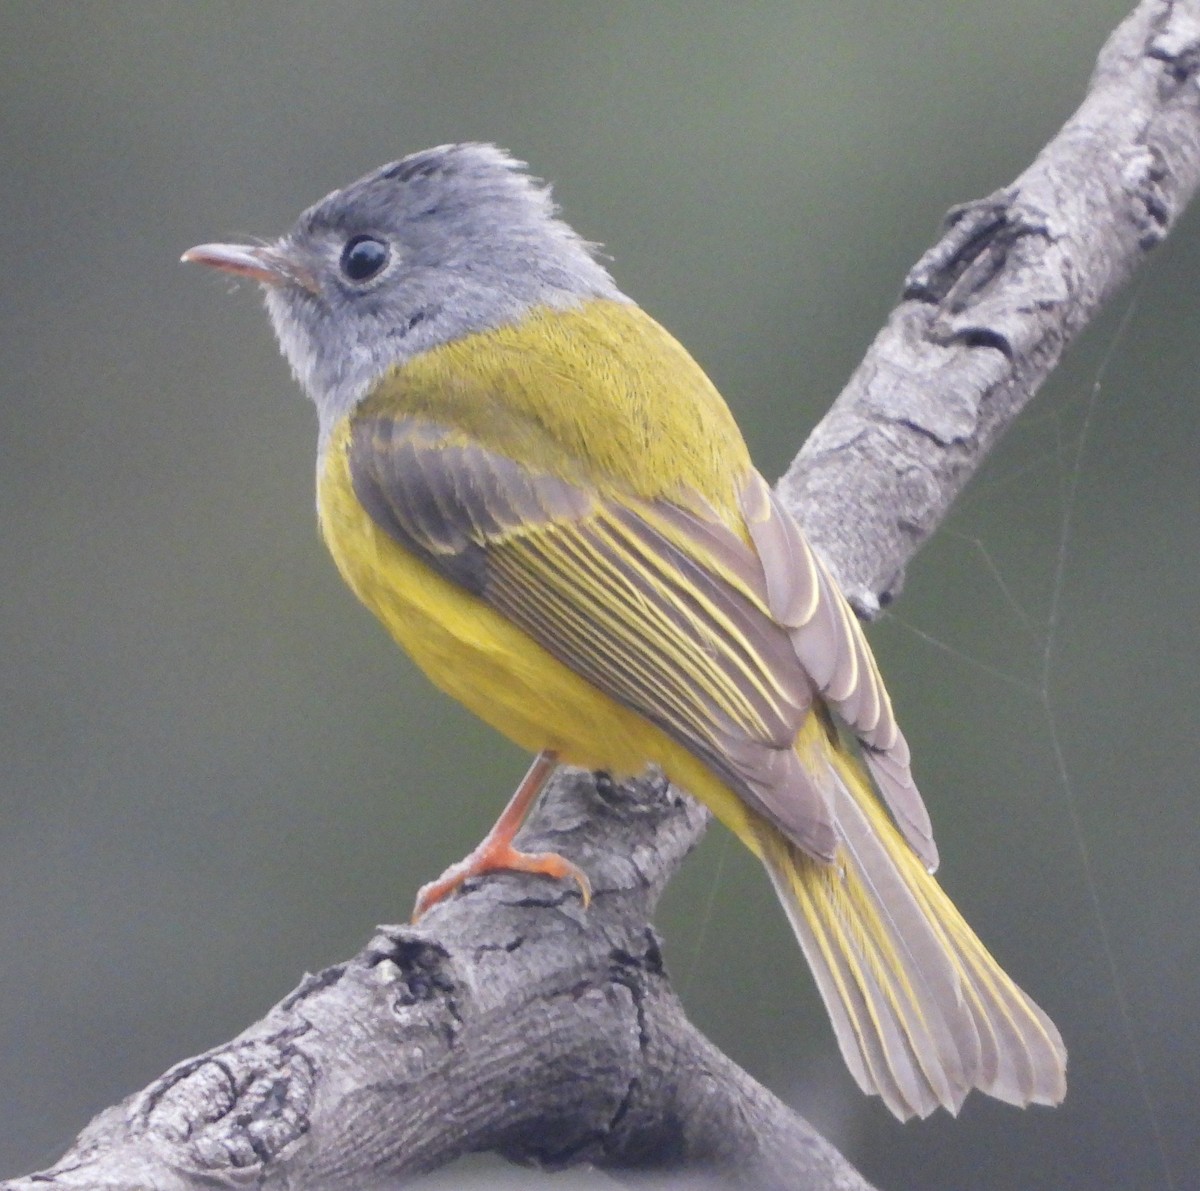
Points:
[(417, 253)]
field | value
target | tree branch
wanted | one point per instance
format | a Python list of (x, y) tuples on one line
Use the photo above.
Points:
[(510, 1019), (988, 311)]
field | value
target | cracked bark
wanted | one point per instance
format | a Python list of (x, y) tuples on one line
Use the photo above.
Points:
[(511, 1020)]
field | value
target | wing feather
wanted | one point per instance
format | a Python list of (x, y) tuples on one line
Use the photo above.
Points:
[(659, 604), (830, 644)]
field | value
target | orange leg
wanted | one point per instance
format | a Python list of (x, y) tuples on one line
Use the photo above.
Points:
[(495, 852)]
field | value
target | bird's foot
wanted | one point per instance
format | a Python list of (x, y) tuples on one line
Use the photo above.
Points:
[(499, 856), (496, 853)]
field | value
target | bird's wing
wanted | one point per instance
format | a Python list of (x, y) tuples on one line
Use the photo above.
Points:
[(658, 604), (831, 646)]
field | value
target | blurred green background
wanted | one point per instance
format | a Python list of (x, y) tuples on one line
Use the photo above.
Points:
[(217, 773)]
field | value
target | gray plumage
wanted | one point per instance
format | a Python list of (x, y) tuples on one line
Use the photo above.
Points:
[(475, 243)]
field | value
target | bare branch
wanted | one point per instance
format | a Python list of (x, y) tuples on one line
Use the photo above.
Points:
[(510, 1020), (990, 308)]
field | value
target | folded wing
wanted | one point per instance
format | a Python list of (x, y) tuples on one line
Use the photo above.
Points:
[(720, 642)]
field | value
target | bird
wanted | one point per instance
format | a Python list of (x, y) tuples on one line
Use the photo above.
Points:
[(549, 506)]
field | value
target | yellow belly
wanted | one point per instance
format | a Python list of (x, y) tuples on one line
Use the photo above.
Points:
[(492, 667)]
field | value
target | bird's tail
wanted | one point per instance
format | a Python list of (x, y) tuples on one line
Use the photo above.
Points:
[(922, 1012)]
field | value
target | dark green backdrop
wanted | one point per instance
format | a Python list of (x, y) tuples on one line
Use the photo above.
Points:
[(216, 773)]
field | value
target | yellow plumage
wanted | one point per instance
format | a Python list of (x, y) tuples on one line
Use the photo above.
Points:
[(490, 389), (601, 475), (547, 503), (483, 660)]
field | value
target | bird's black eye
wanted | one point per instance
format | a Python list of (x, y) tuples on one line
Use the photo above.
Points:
[(363, 257)]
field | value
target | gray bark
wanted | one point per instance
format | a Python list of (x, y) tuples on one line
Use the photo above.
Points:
[(988, 311), (510, 1019)]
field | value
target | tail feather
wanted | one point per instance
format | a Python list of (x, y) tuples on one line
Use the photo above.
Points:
[(886, 1051), (1024, 1061), (922, 1012)]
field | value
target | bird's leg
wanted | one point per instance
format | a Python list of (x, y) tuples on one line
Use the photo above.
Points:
[(495, 852)]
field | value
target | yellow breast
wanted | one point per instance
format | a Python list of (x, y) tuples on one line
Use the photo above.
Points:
[(493, 668), (654, 429)]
